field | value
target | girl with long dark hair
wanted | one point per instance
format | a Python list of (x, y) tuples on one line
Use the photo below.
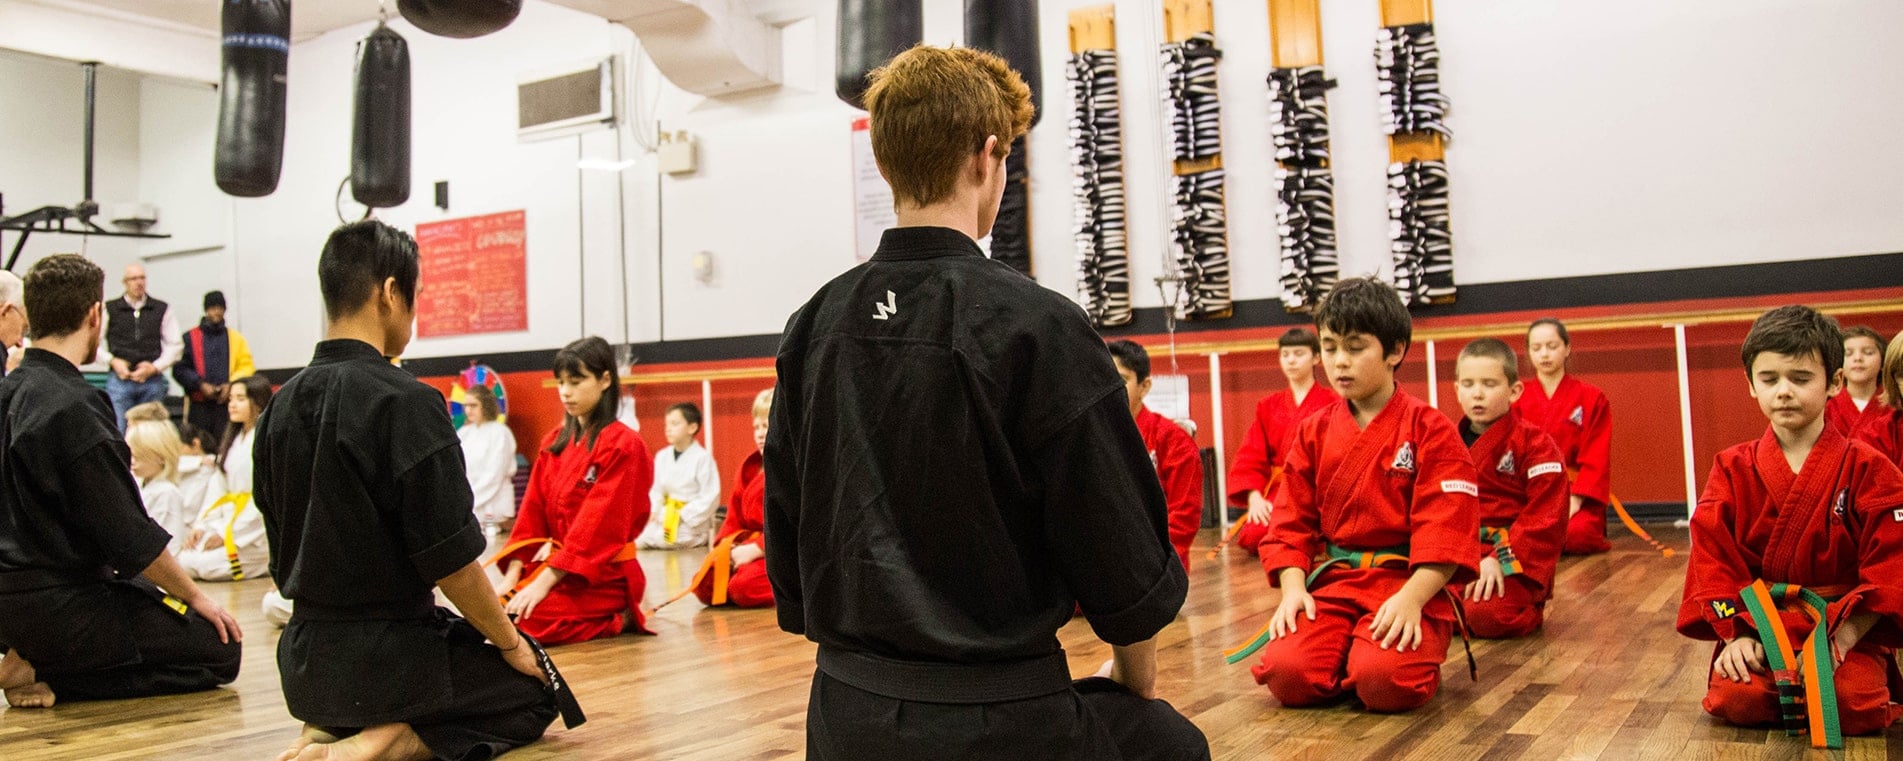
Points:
[(569, 571)]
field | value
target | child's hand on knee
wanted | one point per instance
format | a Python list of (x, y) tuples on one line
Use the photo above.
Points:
[(1397, 624), (1739, 659), (1295, 602)]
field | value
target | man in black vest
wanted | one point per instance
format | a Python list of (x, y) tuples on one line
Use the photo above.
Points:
[(142, 341)]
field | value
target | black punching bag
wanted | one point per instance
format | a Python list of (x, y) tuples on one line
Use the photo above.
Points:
[(380, 138), (461, 19), (257, 50), (871, 32), (1008, 28)]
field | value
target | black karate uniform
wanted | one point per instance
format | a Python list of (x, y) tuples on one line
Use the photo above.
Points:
[(73, 537), (951, 470), (360, 482)]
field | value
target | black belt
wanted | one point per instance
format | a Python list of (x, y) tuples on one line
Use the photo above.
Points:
[(955, 683), (46, 578)]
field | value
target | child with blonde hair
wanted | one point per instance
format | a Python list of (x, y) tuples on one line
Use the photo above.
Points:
[(155, 449)]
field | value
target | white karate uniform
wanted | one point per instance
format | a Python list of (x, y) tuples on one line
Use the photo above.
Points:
[(229, 513), (277, 609), (686, 488), (166, 505), (194, 480), (489, 459)]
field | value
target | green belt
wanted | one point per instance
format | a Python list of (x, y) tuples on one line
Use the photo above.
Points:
[(1807, 694), (1502, 550)]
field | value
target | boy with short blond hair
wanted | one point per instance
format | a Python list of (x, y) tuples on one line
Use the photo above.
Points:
[(1379, 489), (1522, 495), (1796, 565)]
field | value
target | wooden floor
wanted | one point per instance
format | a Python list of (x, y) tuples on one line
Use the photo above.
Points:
[(1607, 679)]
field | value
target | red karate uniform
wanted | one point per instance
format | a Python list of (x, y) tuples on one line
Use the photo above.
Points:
[(1835, 527), (1265, 448), (1841, 413), (1405, 481), (1884, 433), (1179, 466), (1522, 490), (748, 587), (593, 501), (1579, 419)]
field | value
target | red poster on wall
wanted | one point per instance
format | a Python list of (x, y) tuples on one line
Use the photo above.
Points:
[(474, 276)]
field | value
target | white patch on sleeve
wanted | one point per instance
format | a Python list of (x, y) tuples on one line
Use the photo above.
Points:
[(1898, 515), (1545, 468), (1463, 487)]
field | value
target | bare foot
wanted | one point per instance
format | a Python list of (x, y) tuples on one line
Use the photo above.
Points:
[(15, 671), (384, 742), (310, 736), (35, 695)]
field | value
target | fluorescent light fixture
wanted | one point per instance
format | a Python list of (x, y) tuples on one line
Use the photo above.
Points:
[(604, 165)]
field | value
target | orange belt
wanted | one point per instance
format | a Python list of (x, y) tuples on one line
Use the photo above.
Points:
[(719, 562), (1275, 477), (626, 554), (1625, 517)]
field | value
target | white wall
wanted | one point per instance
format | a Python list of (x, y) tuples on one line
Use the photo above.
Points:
[(1590, 139), (42, 128)]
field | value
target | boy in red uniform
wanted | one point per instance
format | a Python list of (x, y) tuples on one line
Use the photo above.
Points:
[(1379, 487), (741, 538), (1179, 464), (1805, 517), (1884, 430), (1861, 400), (1522, 495), (1265, 447)]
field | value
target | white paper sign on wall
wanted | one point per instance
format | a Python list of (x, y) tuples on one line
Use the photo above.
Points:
[(871, 196), (1169, 396)]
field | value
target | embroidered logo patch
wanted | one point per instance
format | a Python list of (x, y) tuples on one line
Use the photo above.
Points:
[(889, 308), (590, 477), (1724, 608), (1898, 515), (1545, 468), (1404, 457), (1842, 506), (1460, 487), (1578, 417), (1506, 464)]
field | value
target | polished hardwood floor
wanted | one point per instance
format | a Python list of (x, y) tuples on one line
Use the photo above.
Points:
[(1608, 678)]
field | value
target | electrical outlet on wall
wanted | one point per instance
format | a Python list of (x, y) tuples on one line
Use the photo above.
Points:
[(678, 153)]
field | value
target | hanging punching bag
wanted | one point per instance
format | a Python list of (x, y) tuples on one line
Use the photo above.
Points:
[(1008, 28), (380, 137), (460, 19), (871, 32), (257, 48)]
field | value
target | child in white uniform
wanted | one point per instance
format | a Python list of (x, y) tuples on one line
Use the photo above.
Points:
[(155, 465), (686, 486), (227, 540), (489, 456)]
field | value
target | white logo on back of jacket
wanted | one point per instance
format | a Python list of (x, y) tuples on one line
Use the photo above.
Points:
[(889, 308)]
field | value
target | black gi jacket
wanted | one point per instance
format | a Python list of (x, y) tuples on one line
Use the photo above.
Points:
[(68, 504), (360, 482), (952, 467)]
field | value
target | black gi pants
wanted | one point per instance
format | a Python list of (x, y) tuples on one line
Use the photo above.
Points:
[(114, 639), (494, 708), (1096, 720)]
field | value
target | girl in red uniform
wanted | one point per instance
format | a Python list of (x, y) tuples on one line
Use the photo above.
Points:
[(570, 573), (1579, 419)]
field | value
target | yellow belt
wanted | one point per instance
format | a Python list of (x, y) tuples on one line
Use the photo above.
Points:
[(239, 501)]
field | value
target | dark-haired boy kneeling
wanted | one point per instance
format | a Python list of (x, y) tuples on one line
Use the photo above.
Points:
[(1799, 529), (360, 480)]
